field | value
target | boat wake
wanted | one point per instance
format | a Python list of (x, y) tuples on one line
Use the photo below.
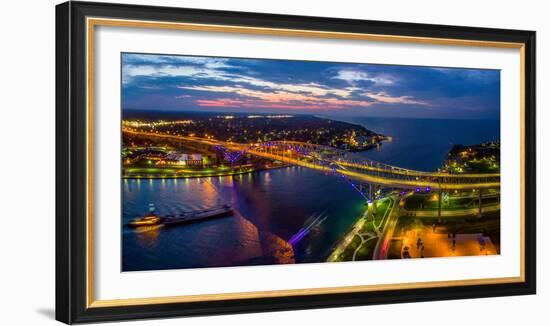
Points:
[(313, 222)]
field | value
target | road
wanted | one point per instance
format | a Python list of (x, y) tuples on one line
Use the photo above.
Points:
[(383, 244), (453, 213)]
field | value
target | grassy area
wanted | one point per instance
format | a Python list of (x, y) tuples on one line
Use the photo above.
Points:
[(170, 172), (381, 209), (347, 254), (155, 170), (366, 249)]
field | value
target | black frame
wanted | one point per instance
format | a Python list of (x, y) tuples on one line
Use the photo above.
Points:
[(71, 162)]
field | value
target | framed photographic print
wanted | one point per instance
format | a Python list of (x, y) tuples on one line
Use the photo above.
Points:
[(222, 162)]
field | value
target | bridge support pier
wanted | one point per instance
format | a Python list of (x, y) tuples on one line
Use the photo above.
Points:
[(371, 203), (439, 193), (480, 213), (371, 197)]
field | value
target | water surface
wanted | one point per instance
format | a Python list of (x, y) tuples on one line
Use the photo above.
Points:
[(281, 216), (422, 144)]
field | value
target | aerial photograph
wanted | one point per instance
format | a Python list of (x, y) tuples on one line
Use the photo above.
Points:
[(242, 161)]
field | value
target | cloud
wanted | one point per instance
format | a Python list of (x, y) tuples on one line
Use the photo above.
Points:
[(329, 104), (131, 70), (150, 87), (352, 76), (465, 72), (311, 88), (209, 72), (385, 98), (156, 66), (279, 98), (208, 62), (248, 103)]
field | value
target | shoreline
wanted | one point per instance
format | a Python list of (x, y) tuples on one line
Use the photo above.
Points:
[(345, 239), (223, 174)]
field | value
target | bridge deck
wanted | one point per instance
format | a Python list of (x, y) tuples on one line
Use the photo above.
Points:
[(371, 172)]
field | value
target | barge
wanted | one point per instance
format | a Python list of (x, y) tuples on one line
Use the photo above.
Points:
[(186, 217)]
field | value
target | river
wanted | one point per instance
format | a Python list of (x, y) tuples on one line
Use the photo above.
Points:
[(287, 215)]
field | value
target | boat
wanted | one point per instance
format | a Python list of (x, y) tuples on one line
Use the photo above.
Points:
[(152, 219), (148, 220), (195, 216)]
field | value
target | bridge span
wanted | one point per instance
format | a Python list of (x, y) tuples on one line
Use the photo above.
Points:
[(332, 160)]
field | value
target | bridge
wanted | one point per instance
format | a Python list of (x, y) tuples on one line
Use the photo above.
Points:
[(342, 163)]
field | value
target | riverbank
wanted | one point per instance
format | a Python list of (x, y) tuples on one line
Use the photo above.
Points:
[(359, 242), (348, 237), (199, 174)]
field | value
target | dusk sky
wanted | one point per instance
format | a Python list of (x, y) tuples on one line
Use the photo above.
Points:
[(192, 83)]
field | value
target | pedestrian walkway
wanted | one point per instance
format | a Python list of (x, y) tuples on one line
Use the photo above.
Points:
[(427, 243)]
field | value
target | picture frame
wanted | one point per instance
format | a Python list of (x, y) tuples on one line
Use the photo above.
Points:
[(76, 129)]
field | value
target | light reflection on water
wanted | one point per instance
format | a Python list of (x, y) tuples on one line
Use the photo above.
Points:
[(270, 207)]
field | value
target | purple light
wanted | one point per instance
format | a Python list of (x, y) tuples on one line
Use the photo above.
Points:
[(298, 236), (417, 189), (305, 230)]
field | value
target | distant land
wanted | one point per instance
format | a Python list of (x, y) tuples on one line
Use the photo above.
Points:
[(255, 127)]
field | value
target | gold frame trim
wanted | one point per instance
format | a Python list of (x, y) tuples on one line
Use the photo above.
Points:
[(92, 22)]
